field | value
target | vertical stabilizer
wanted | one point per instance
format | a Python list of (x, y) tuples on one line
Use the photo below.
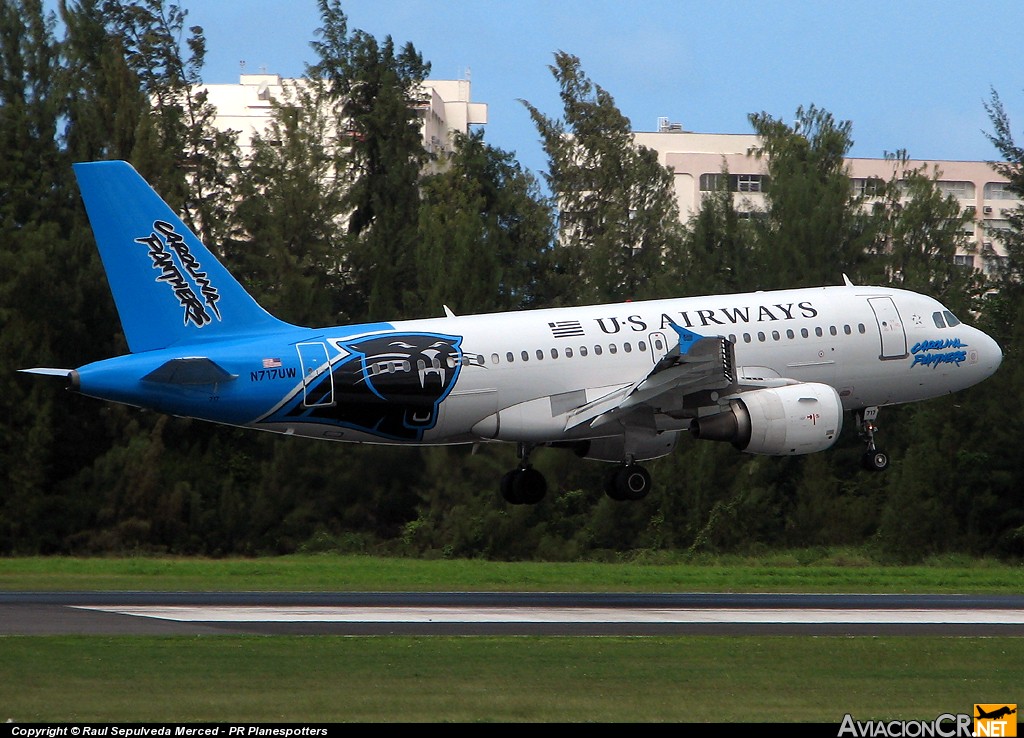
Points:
[(168, 287)]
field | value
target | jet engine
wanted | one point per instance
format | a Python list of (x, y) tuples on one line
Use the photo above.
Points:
[(778, 421)]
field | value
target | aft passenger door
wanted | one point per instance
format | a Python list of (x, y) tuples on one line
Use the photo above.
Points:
[(317, 390)]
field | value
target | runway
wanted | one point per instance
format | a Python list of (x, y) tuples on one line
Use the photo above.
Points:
[(505, 613)]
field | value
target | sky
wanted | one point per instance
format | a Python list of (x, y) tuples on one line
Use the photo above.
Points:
[(907, 74)]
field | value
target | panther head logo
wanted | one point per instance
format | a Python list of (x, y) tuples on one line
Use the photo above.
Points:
[(389, 385)]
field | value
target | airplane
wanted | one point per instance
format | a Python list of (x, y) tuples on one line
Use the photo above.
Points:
[(771, 372), (995, 714)]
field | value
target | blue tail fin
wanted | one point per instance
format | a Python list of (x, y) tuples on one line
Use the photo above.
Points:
[(168, 287)]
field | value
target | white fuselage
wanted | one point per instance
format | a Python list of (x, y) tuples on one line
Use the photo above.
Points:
[(876, 346)]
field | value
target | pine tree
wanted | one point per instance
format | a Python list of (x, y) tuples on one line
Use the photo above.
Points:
[(376, 88), (814, 229), (618, 218)]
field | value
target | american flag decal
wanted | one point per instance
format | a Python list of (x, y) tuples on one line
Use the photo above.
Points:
[(566, 328), (271, 363)]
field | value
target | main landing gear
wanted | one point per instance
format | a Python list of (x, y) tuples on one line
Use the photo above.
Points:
[(628, 481), (524, 485), (873, 459)]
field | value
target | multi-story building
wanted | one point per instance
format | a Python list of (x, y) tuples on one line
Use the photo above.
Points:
[(444, 107), (698, 161)]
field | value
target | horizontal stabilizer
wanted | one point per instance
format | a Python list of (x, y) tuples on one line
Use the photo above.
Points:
[(48, 372), (191, 370)]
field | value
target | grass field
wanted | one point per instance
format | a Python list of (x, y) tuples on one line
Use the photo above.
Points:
[(301, 679)]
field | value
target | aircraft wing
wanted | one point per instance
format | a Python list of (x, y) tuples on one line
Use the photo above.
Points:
[(697, 363)]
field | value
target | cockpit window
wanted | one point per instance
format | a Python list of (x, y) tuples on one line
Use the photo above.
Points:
[(950, 318), (939, 322)]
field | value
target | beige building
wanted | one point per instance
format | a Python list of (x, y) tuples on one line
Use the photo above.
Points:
[(698, 160), (445, 107)]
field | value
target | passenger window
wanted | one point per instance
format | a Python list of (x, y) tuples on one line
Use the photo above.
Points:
[(732, 338), (642, 346), (804, 333), (951, 319), (526, 356), (790, 334), (554, 353), (612, 349), (760, 336), (597, 350), (861, 328), (847, 330), (583, 350), (818, 332), (627, 347), (568, 353), (510, 357), (540, 354), (746, 338), (832, 330), (939, 322), (494, 358), (775, 336)]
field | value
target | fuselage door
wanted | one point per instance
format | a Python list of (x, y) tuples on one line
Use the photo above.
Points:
[(317, 379), (890, 328)]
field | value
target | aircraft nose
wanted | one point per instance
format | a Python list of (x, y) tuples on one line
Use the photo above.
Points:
[(990, 355)]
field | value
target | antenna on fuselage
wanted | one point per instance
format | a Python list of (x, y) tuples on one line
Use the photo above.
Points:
[(846, 281)]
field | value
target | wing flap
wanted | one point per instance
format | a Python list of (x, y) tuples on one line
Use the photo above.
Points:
[(696, 363)]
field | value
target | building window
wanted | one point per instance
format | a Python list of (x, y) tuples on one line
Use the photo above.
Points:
[(959, 190), (750, 183), (964, 260), (999, 191), (867, 186), (715, 182)]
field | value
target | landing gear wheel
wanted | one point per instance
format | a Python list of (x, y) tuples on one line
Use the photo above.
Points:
[(524, 486), (875, 460), (628, 482)]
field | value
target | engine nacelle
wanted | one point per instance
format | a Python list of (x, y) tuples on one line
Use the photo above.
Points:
[(778, 421)]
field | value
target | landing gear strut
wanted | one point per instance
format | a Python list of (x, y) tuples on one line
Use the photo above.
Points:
[(873, 459), (524, 485), (628, 481)]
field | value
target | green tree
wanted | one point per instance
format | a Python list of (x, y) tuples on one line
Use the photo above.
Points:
[(380, 153), (618, 219), (485, 232), (718, 245), (814, 229), (919, 231), (290, 246), (185, 156)]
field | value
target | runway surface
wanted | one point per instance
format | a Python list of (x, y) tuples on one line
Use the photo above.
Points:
[(505, 613)]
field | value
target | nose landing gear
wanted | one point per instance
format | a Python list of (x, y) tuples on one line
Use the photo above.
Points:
[(873, 459)]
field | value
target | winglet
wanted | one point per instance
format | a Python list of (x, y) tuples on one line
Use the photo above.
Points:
[(846, 281)]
